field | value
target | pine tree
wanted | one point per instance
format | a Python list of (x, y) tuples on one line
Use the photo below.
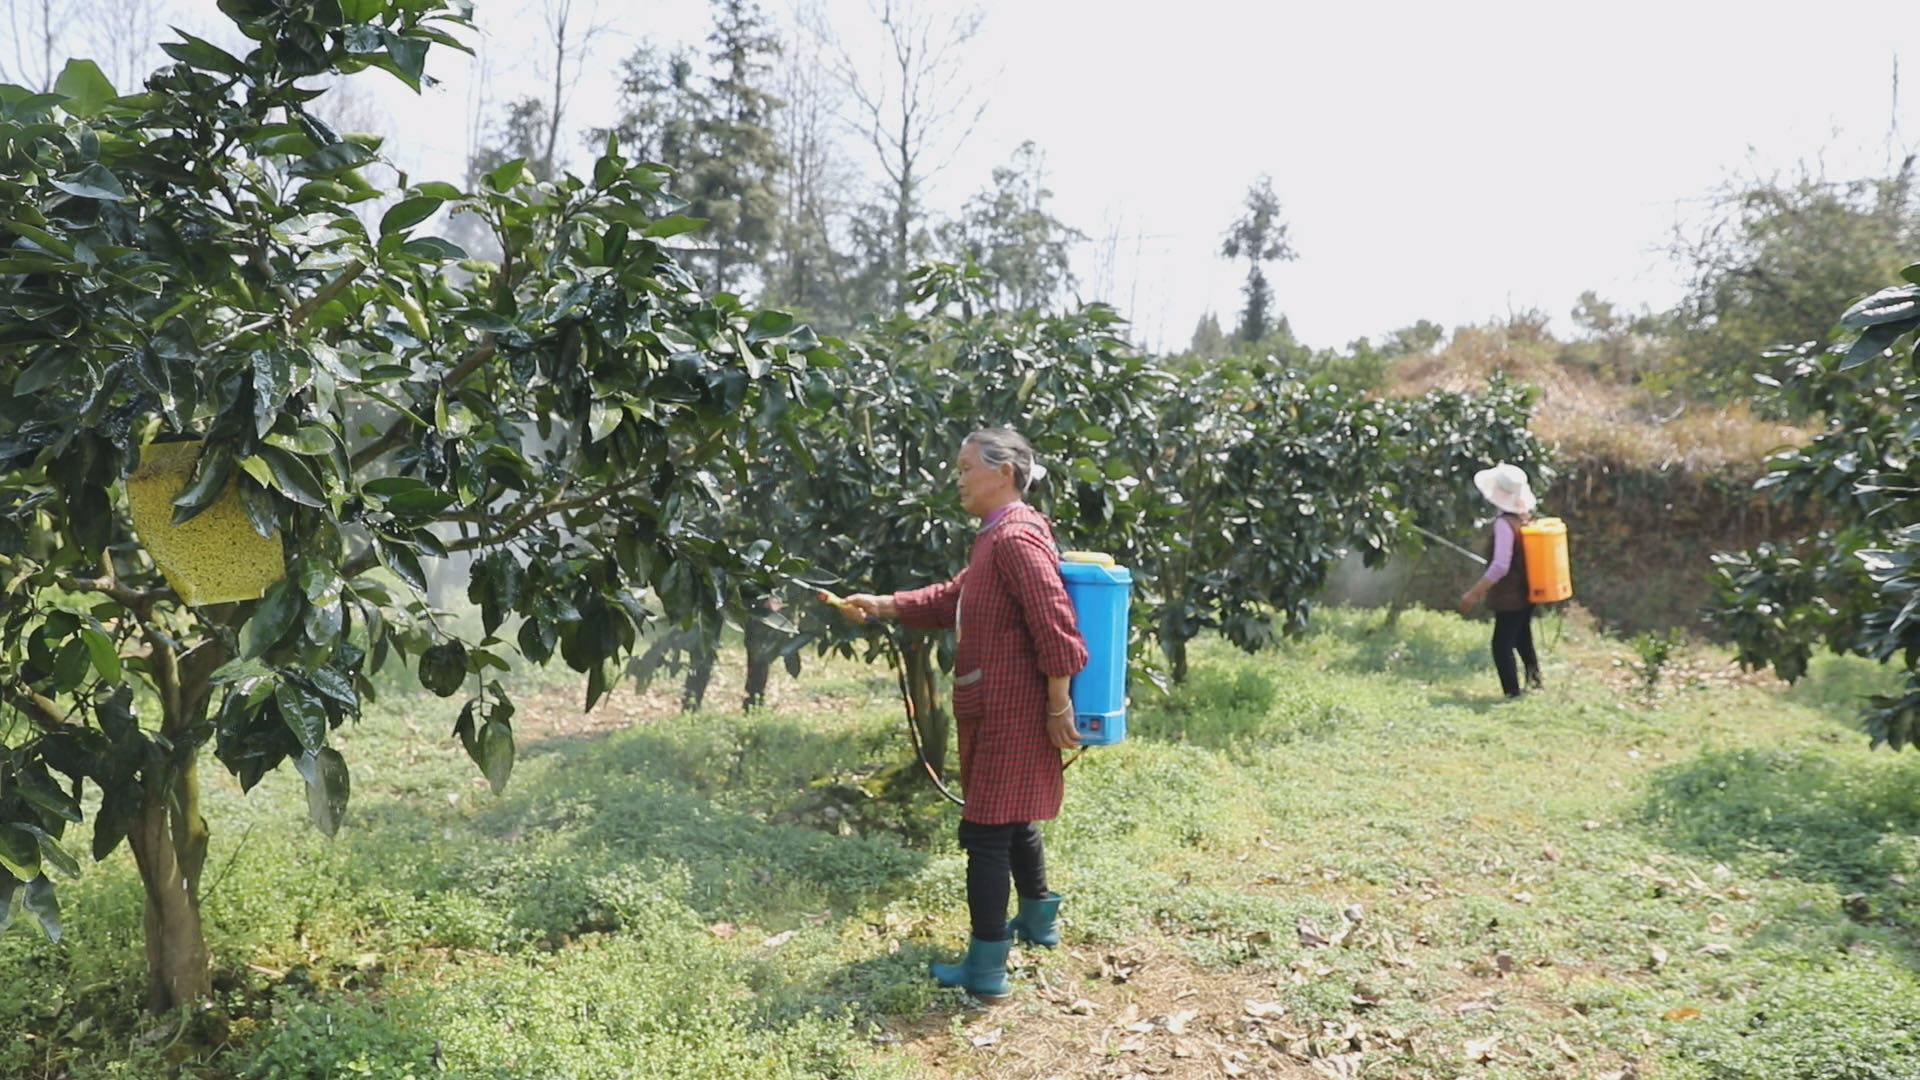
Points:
[(733, 181), (1007, 230), (1260, 236)]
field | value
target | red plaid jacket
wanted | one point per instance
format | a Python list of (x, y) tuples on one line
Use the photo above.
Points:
[(1014, 628)]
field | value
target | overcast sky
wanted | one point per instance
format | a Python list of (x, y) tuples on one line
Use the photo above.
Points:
[(1444, 161)]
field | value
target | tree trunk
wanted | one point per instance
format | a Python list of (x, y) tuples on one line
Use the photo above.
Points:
[(763, 646), (693, 694), (1405, 589), (1176, 649), (169, 841), (929, 713)]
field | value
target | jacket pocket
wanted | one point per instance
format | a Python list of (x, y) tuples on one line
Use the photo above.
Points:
[(970, 694)]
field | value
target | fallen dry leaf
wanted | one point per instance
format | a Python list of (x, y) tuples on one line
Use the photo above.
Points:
[(1566, 1051), (780, 939), (1656, 957), (1684, 1012), (1082, 1007), (1265, 1010), (1481, 1051), (985, 1038), (722, 930), (1177, 1023)]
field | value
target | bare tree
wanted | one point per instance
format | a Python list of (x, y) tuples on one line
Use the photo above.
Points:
[(571, 43), (814, 185), (122, 36), (914, 108), (36, 28)]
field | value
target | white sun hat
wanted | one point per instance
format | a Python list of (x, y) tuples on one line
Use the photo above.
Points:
[(1506, 487)]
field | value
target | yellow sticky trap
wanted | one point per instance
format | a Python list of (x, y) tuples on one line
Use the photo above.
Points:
[(214, 558)]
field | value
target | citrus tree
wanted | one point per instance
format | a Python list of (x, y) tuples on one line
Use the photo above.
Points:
[(869, 492), (1855, 587), (190, 262)]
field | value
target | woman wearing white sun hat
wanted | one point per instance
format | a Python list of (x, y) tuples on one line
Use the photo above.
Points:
[(1504, 586)]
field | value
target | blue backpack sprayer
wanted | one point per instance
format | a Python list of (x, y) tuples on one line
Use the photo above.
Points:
[(1100, 592)]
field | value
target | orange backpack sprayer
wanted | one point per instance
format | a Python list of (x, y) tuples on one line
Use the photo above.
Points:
[(1543, 544)]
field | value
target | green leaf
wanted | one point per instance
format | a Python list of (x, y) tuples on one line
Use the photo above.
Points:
[(1912, 273), (293, 477), (1896, 303), (407, 213), (52, 854), (1875, 340), (204, 55), (437, 189), (409, 58), (495, 757), (19, 852), (673, 225), (304, 714), (770, 324), (360, 11), (9, 889), (41, 237), (509, 175), (95, 181), (43, 905), (403, 562), (443, 668), (86, 88), (433, 249), (331, 160), (278, 610), (210, 472), (272, 385), (49, 369), (110, 823), (328, 787), (106, 658), (48, 797)]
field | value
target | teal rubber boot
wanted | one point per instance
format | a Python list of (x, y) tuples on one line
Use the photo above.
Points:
[(1038, 922), (983, 973)]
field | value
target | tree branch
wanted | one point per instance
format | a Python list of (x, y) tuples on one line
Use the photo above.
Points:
[(481, 353), (327, 292), (139, 601), (37, 708), (364, 561)]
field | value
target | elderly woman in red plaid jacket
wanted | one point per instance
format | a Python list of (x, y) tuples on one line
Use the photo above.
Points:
[(1016, 647)]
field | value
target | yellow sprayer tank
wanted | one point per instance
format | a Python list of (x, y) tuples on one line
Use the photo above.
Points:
[(1543, 543)]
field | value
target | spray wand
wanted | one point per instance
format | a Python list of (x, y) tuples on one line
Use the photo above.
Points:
[(1435, 537), (896, 657)]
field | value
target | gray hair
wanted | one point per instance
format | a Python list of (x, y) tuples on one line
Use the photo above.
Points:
[(1004, 446)]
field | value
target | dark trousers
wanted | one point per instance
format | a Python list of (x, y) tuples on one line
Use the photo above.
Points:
[(996, 853), (1513, 633)]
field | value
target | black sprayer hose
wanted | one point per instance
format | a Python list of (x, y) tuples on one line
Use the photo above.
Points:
[(897, 657)]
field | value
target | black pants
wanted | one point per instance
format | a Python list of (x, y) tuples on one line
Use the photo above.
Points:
[(1513, 632), (995, 852)]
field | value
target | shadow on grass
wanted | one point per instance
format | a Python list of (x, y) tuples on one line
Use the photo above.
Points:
[(1471, 702), (1851, 827), (754, 820), (1410, 647)]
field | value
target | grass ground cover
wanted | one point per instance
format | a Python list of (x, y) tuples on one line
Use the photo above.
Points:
[(1340, 858)]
